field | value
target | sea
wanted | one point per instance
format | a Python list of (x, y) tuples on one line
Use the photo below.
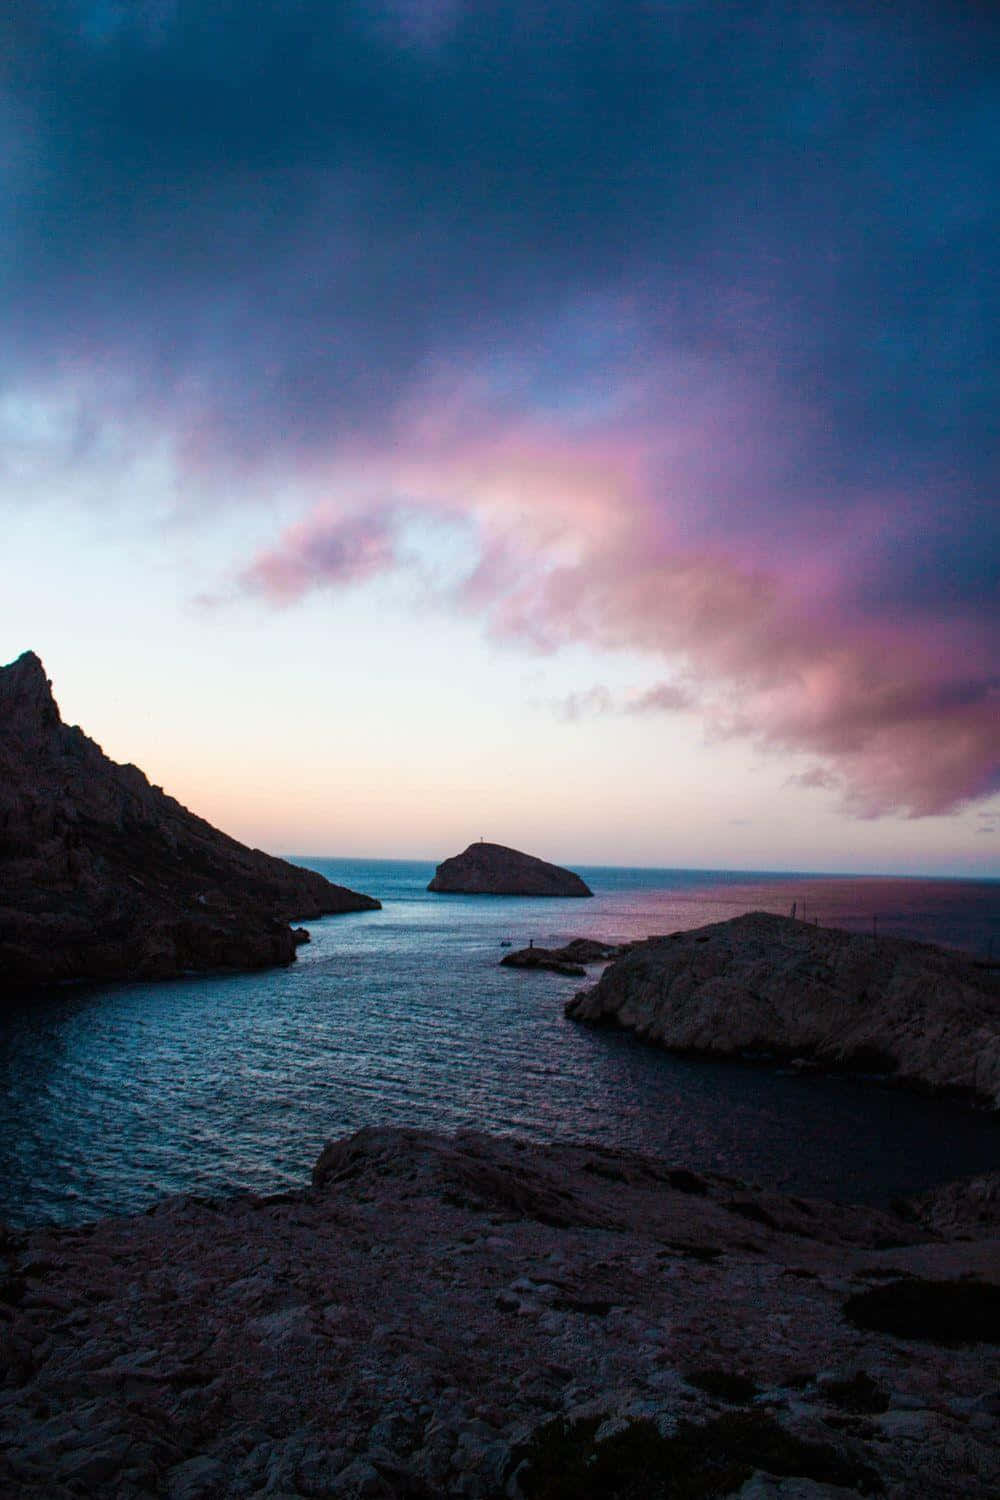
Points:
[(113, 1096)]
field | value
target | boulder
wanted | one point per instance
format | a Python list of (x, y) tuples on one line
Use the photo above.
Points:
[(569, 959), (543, 958)]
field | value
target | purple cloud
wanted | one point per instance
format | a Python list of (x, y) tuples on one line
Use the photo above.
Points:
[(324, 552), (581, 535), (815, 777), (681, 316), (664, 697)]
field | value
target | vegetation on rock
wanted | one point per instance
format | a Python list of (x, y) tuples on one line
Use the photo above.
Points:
[(566, 1461), (939, 1312)]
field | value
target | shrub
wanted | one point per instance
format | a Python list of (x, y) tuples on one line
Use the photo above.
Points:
[(563, 1460), (940, 1312)]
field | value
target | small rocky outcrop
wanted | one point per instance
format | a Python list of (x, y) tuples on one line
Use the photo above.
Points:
[(494, 870), (569, 959), (103, 876), (767, 985), (444, 1316)]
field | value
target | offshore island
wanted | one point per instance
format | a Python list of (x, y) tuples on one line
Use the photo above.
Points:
[(485, 869)]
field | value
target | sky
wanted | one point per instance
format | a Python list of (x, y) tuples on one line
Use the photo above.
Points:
[(573, 424)]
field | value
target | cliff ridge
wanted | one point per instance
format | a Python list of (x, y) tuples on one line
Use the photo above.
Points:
[(103, 876)]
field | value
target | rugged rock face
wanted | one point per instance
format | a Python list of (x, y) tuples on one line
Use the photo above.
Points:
[(766, 984), (103, 876), (493, 870), (412, 1326)]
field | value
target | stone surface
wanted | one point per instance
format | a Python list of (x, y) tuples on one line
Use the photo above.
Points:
[(969, 1207), (766, 985), (403, 1326), (103, 876), (493, 870)]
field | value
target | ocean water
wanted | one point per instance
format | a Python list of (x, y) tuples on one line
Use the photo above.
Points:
[(114, 1096)]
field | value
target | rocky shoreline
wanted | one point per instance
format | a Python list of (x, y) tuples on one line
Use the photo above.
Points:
[(103, 876), (767, 986), (466, 1316)]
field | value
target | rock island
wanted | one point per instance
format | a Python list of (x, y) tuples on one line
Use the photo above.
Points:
[(494, 870)]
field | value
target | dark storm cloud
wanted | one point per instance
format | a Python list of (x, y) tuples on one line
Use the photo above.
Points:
[(272, 225), (347, 196)]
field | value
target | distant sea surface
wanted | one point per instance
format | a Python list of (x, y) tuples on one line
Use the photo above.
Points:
[(112, 1097)]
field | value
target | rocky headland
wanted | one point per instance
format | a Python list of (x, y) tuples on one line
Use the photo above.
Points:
[(440, 1317), (485, 869), (767, 985), (103, 876)]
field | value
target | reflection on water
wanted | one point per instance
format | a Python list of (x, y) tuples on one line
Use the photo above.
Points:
[(115, 1096)]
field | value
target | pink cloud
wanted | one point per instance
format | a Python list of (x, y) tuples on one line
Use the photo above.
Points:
[(596, 532), (664, 697), (590, 703), (815, 778), (324, 551)]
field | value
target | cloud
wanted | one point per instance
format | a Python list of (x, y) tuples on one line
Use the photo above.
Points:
[(664, 697), (325, 552), (590, 703), (678, 318), (580, 533), (815, 777)]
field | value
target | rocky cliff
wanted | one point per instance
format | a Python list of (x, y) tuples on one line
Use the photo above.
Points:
[(103, 876), (493, 870), (765, 984)]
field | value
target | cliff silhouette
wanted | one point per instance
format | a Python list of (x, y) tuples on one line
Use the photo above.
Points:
[(103, 876)]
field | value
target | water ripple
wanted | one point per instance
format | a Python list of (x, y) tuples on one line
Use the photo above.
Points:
[(115, 1096)]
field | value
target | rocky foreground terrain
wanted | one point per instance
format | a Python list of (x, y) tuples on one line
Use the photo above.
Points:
[(767, 985), (103, 876), (485, 869), (465, 1316)]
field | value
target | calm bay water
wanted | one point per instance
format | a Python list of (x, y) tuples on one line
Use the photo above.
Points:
[(112, 1097)]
